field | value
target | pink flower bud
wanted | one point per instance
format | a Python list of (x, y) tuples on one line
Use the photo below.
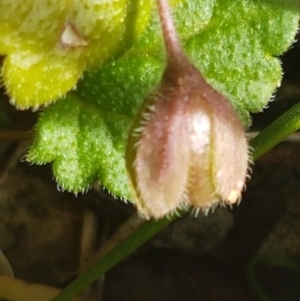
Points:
[(187, 145)]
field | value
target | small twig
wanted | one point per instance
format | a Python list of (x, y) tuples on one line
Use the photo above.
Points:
[(122, 233), (127, 239), (87, 253), (12, 160), (88, 238)]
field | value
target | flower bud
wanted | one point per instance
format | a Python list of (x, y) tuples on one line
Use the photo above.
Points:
[(187, 145)]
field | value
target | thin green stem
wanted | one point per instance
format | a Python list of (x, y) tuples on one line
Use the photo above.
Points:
[(271, 260), (267, 139), (134, 240), (276, 132)]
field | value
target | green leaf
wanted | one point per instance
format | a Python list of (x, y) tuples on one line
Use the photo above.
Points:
[(49, 43), (84, 144), (234, 44)]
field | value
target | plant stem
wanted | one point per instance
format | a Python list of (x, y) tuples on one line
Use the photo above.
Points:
[(267, 139), (134, 240), (271, 260), (276, 132)]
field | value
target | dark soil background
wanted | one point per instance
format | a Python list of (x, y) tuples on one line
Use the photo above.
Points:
[(48, 236)]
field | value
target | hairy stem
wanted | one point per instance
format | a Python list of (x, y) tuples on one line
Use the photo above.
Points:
[(171, 39)]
